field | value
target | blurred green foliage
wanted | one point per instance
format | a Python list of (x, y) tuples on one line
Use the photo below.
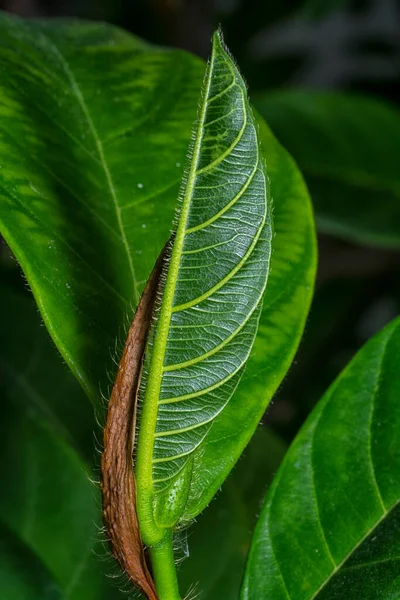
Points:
[(47, 424)]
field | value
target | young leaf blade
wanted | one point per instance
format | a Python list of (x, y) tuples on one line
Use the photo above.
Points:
[(290, 286), (329, 526), (212, 296)]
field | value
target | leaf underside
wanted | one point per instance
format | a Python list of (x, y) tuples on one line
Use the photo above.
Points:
[(214, 284), (330, 526)]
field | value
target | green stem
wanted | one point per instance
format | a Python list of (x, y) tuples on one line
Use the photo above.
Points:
[(164, 572)]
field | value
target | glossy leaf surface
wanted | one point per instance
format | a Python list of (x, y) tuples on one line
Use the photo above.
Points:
[(78, 180), (329, 527), (82, 100), (347, 148), (211, 301)]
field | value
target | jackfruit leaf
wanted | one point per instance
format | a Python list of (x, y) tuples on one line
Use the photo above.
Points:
[(347, 148), (94, 131), (329, 528)]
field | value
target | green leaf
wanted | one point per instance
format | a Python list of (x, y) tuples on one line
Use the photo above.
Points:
[(48, 499), (79, 101), (285, 307), (221, 535), (347, 147), (22, 576), (211, 300), (329, 526), (89, 174)]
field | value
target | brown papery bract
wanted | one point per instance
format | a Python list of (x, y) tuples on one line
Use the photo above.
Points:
[(118, 481)]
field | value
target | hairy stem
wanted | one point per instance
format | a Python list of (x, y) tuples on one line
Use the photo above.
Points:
[(164, 572)]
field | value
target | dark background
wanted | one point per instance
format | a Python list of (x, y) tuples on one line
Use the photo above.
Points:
[(321, 44)]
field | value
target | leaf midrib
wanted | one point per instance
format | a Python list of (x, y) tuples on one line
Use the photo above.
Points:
[(150, 409), (82, 103), (385, 510), (360, 542), (339, 565)]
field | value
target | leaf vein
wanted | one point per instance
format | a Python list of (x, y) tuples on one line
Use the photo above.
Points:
[(78, 93)]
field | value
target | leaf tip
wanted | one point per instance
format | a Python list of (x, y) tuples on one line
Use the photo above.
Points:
[(218, 42)]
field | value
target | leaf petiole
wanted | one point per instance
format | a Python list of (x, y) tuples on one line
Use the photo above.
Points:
[(164, 572)]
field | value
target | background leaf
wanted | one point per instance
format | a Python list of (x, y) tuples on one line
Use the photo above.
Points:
[(316, 9), (80, 104), (219, 539), (49, 500), (31, 369), (86, 100), (347, 148), (22, 576), (329, 527)]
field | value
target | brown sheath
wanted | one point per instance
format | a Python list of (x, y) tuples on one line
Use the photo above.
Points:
[(117, 477)]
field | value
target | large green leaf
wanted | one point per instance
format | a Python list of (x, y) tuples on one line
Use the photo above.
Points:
[(87, 198), (219, 539), (94, 130), (330, 526), (214, 283), (347, 147), (22, 576)]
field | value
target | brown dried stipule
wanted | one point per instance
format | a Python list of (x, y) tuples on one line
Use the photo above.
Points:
[(118, 481)]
